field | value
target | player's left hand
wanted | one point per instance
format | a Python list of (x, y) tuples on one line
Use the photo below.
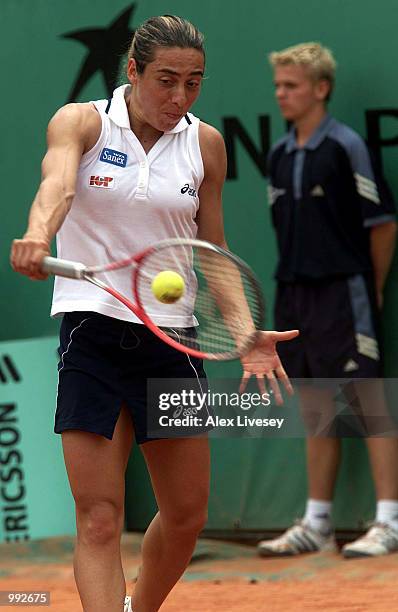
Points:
[(263, 360)]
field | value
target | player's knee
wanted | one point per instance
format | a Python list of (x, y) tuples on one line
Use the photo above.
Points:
[(188, 515), (99, 523)]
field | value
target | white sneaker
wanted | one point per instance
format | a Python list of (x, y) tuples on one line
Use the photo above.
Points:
[(297, 540), (381, 539), (127, 604)]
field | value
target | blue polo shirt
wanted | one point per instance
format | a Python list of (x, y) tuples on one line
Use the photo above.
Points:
[(324, 198)]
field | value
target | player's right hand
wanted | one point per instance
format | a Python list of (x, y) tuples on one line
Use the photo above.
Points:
[(27, 255)]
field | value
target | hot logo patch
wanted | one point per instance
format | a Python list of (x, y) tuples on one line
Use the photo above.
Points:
[(107, 182)]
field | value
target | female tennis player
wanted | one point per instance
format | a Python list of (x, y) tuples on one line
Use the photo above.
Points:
[(118, 176)]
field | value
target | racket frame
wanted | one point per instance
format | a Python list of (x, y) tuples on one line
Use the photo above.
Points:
[(79, 271)]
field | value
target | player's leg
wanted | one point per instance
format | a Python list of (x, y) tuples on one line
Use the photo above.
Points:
[(179, 471), (96, 468), (88, 414)]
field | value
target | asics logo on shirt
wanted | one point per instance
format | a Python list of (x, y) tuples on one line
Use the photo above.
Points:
[(102, 181), (110, 156), (190, 190)]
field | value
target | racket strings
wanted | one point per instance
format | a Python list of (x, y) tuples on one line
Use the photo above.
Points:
[(221, 307)]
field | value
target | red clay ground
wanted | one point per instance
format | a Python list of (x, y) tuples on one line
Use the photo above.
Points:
[(221, 578)]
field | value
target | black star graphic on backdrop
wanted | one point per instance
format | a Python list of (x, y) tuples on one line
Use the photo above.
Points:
[(106, 48)]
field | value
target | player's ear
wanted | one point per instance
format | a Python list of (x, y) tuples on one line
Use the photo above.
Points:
[(132, 73), (322, 89)]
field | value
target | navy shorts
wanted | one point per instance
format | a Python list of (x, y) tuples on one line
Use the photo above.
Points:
[(104, 364), (339, 328)]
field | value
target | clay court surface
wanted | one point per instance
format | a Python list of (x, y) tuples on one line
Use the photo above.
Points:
[(222, 577)]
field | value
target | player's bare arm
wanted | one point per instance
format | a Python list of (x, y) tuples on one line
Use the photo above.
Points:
[(72, 131), (263, 359), (210, 217)]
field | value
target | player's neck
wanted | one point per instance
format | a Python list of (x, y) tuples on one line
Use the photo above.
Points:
[(308, 124), (146, 133)]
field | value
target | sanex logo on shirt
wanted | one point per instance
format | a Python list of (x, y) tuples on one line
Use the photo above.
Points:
[(110, 156)]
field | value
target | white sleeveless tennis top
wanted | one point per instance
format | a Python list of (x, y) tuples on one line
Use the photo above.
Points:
[(125, 201)]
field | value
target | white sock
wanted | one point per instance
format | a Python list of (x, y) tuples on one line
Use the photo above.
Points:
[(387, 512), (317, 515)]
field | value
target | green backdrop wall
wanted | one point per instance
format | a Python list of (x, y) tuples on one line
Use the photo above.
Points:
[(47, 46), (42, 49), (35, 501)]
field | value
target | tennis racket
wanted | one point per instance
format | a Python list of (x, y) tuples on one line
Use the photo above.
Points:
[(220, 312)]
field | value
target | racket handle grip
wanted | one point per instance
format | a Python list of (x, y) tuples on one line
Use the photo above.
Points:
[(63, 267)]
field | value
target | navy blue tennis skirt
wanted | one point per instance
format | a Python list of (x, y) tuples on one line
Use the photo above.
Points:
[(105, 363)]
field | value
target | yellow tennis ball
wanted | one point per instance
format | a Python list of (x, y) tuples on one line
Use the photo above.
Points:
[(168, 286)]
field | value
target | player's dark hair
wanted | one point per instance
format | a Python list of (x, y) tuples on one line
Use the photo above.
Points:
[(163, 31)]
